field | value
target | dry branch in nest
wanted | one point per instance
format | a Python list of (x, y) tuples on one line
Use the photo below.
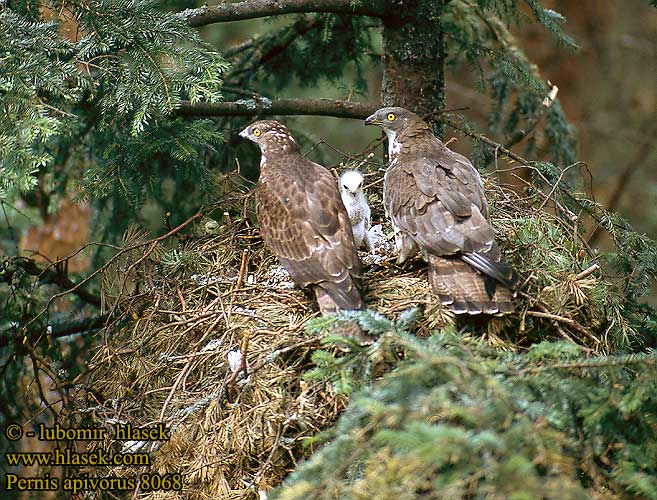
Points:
[(239, 424)]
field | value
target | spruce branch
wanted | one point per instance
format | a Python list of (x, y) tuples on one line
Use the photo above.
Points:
[(248, 65), (148, 246), (252, 9), (495, 145), (561, 319), (623, 180), (56, 330), (534, 120), (55, 275), (268, 107)]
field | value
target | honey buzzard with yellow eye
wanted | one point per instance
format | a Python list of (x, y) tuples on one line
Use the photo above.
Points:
[(436, 202), (303, 220)]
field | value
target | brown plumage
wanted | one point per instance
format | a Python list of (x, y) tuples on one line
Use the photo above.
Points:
[(436, 202), (303, 221)]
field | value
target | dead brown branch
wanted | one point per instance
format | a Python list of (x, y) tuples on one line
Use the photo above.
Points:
[(252, 9), (267, 107), (53, 274), (150, 243)]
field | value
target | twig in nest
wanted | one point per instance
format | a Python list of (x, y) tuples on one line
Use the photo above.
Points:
[(240, 280), (188, 367), (182, 300), (230, 380), (371, 184), (557, 327), (244, 348), (277, 352), (561, 319), (245, 336), (587, 272), (556, 184), (263, 469)]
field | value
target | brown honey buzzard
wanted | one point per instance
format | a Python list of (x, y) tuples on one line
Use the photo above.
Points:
[(303, 220), (436, 202)]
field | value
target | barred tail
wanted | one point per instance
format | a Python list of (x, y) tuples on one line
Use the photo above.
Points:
[(464, 290), (333, 297)]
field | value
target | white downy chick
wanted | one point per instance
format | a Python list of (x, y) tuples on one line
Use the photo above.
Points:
[(360, 215)]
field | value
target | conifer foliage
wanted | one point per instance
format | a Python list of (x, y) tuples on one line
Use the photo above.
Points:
[(455, 419), (80, 78)]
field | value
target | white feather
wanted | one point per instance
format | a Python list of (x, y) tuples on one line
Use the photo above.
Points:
[(354, 200), (394, 147), (235, 359)]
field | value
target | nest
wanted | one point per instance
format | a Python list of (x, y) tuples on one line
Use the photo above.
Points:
[(173, 355)]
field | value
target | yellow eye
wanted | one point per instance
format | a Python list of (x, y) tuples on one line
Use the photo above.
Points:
[(391, 117), (257, 132)]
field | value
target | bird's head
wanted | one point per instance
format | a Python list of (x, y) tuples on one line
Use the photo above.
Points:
[(270, 136), (393, 119), (351, 182)]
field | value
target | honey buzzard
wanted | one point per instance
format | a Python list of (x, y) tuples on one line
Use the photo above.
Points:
[(354, 200), (435, 199), (303, 221)]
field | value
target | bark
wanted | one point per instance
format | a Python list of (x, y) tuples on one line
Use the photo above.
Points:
[(267, 107), (35, 334), (413, 51), (50, 274), (250, 9), (413, 56)]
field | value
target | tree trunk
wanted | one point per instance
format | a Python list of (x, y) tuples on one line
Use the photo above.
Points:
[(413, 56)]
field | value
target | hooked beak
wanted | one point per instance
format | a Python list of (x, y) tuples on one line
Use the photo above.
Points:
[(372, 120), (243, 133)]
